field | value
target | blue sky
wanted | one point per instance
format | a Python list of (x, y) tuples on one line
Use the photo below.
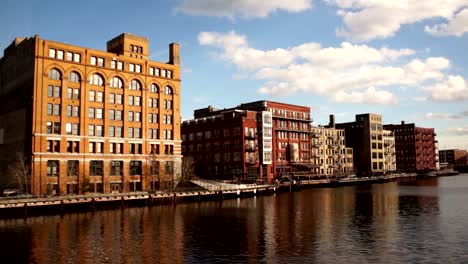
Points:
[(403, 59)]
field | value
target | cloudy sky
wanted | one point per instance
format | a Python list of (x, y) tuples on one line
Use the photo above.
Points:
[(404, 59)]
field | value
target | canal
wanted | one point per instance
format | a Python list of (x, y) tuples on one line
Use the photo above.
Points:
[(411, 221)]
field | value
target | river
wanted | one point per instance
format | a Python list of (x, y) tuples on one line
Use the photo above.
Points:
[(412, 221)]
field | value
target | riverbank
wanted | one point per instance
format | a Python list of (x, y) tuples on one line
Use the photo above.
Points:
[(205, 191)]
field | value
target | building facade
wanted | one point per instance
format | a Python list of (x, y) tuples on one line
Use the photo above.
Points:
[(233, 145), (89, 120), (457, 157), (365, 137), (415, 147), (389, 151), (286, 139)]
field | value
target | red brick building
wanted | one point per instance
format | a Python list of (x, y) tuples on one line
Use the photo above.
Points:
[(272, 139), (415, 147)]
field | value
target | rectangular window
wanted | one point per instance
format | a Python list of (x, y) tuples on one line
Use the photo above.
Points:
[(76, 129), (137, 132), (100, 62), (96, 168), (49, 127), (131, 67), (50, 91), (69, 93), (69, 56), (53, 168), (91, 112), (91, 130), (49, 109), (76, 111), (119, 132), (118, 115), (92, 96), (111, 131), (52, 53), (60, 54), (151, 71), (56, 127), (112, 98), (99, 113), (169, 74), (72, 168), (57, 109), (138, 68), (111, 114), (137, 116), (130, 116), (76, 94), (130, 100), (57, 91), (91, 147), (116, 168), (99, 147), (93, 60), (120, 65), (130, 132), (100, 96), (119, 98), (99, 131), (69, 110), (137, 100), (113, 64), (76, 57)]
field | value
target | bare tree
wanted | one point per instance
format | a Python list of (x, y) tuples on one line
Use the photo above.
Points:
[(20, 169), (188, 168)]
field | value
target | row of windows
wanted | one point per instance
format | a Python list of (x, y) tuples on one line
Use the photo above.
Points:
[(114, 148), (115, 82), (114, 131), (114, 64)]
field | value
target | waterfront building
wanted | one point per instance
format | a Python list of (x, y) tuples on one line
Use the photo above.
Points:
[(389, 150), (456, 157), (415, 147), (330, 155), (88, 120), (365, 137), (278, 144)]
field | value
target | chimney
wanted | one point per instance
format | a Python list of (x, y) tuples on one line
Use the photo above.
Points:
[(332, 121), (174, 54), (402, 122)]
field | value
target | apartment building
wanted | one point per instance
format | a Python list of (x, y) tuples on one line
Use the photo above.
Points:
[(365, 137), (89, 120), (389, 151), (289, 134), (415, 147)]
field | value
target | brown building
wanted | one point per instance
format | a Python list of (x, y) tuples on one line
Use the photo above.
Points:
[(275, 139), (415, 147), (365, 137), (455, 157), (90, 120)]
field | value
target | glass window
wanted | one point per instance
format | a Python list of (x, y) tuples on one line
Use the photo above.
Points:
[(69, 110), (153, 88), (76, 94), (100, 96), (69, 93), (57, 91), (96, 79), (120, 65), (111, 132), (53, 168), (99, 131), (111, 114), (77, 57), (91, 112), (74, 77), (92, 96), (130, 100), (112, 98), (76, 129), (137, 100), (131, 67), (100, 62), (138, 68), (168, 90), (76, 111), (93, 60), (49, 109), (60, 54), (50, 91), (57, 109), (119, 98), (99, 113), (135, 85), (52, 53), (130, 132), (91, 130), (130, 116), (54, 74), (69, 56), (116, 82), (118, 115)]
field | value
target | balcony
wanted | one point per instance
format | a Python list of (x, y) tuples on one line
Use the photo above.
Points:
[(250, 135), (251, 160)]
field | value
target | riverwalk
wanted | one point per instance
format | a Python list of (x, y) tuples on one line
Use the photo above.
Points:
[(204, 190)]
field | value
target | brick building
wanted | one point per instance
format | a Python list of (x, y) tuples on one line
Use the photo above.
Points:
[(415, 147), (90, 120), (283, 144), (457, 157), (365, 137)]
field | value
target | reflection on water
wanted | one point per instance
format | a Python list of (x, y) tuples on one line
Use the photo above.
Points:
[(397, 222)]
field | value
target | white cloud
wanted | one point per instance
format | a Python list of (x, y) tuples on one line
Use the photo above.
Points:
[(365, 20), (370, 96), (454, 88), (445, 116), (461, 131), (241, 8), (456, 26), (336, 72)]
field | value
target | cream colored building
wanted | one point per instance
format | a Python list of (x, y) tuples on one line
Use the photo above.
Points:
[(329, 154), (389, 151)]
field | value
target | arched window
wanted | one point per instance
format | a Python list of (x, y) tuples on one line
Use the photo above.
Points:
[(96, 79), (116, 82), (153, 88), (74, 77), (54, 74), (167, 90), (135, 85)]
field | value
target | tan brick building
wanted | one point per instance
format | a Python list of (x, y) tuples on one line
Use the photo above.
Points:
[(90, 120)]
